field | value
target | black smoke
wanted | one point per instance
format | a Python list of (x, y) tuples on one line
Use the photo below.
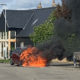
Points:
[(75, 24), (63, 26), (54, 48)]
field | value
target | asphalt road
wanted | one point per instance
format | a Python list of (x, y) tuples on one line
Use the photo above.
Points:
[(53, 72)]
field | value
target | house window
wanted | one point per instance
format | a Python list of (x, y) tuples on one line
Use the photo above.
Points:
[(35, 21), (12, 34), (22, 44)]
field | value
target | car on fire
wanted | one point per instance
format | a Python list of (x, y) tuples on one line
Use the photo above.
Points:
[(15, 55)]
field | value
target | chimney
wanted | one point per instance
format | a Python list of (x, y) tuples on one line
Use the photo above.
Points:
[(53, 1), (54, 5), (39, 6)]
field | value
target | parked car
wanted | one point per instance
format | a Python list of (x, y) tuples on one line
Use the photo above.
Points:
[(15, 55), (76, 58)]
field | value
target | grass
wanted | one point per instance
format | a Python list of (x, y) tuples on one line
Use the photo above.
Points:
[(4, 61)]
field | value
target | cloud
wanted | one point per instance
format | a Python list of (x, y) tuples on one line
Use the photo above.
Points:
[(5, 1), (26, 4), (30, 4)]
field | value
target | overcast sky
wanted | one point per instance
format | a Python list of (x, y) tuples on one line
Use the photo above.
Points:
[(25, 4)]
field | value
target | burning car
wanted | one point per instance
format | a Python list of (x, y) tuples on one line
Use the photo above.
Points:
[(15, 55), (27, 56), (37, 56)]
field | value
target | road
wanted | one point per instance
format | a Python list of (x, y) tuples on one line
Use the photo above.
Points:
[(15, 72)]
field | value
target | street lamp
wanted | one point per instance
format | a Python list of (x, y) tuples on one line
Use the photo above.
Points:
[(5, 30)]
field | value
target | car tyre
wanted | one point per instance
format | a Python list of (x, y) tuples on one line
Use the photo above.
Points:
[(11, 62)]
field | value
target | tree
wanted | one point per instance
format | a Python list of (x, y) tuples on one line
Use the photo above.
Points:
[(44, 31), (63, 11)]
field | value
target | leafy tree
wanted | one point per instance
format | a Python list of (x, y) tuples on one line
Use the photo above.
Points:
[(44, 31), (63, 11)]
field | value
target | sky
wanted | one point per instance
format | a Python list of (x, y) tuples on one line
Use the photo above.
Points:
[(25, 4)]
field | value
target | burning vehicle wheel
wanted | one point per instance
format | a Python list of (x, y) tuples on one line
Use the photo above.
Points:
[(11, 62)]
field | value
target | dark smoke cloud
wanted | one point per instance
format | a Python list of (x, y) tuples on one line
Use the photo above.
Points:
[(63, 26), (75, 6), (54, 48), (51, 49)]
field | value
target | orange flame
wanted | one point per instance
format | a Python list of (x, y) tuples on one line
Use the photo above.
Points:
[(31, 58)]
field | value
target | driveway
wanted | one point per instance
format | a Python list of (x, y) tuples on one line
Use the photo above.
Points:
[(15, 72)]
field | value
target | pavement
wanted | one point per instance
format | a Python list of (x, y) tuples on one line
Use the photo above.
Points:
[(65, 66), (54, 71)]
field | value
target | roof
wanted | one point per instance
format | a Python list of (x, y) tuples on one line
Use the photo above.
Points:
[(39, 17), (17, 18), (27, 19)]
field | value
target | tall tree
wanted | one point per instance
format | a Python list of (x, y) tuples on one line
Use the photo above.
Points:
[(63, 11)]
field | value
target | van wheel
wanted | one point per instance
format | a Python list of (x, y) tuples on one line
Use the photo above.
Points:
[(11, 62)]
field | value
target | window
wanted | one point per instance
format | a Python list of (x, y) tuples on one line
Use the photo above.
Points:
[(22, 44), (12, 34), (35, 21)]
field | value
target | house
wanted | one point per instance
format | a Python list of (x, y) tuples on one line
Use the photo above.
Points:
[(19, 24)]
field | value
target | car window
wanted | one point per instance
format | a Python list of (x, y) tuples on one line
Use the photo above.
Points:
[(23, 49), (20, 50), (17, 50)]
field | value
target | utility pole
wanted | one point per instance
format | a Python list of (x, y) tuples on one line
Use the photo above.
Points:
[(5, 33)]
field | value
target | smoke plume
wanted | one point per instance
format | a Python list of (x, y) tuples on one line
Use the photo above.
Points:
[(44, 52), (54, 48), (63, 26)]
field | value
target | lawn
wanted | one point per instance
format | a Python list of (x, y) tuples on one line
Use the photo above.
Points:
[(4, 61)]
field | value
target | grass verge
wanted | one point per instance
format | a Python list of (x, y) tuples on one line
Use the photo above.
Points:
[(4, 61)]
